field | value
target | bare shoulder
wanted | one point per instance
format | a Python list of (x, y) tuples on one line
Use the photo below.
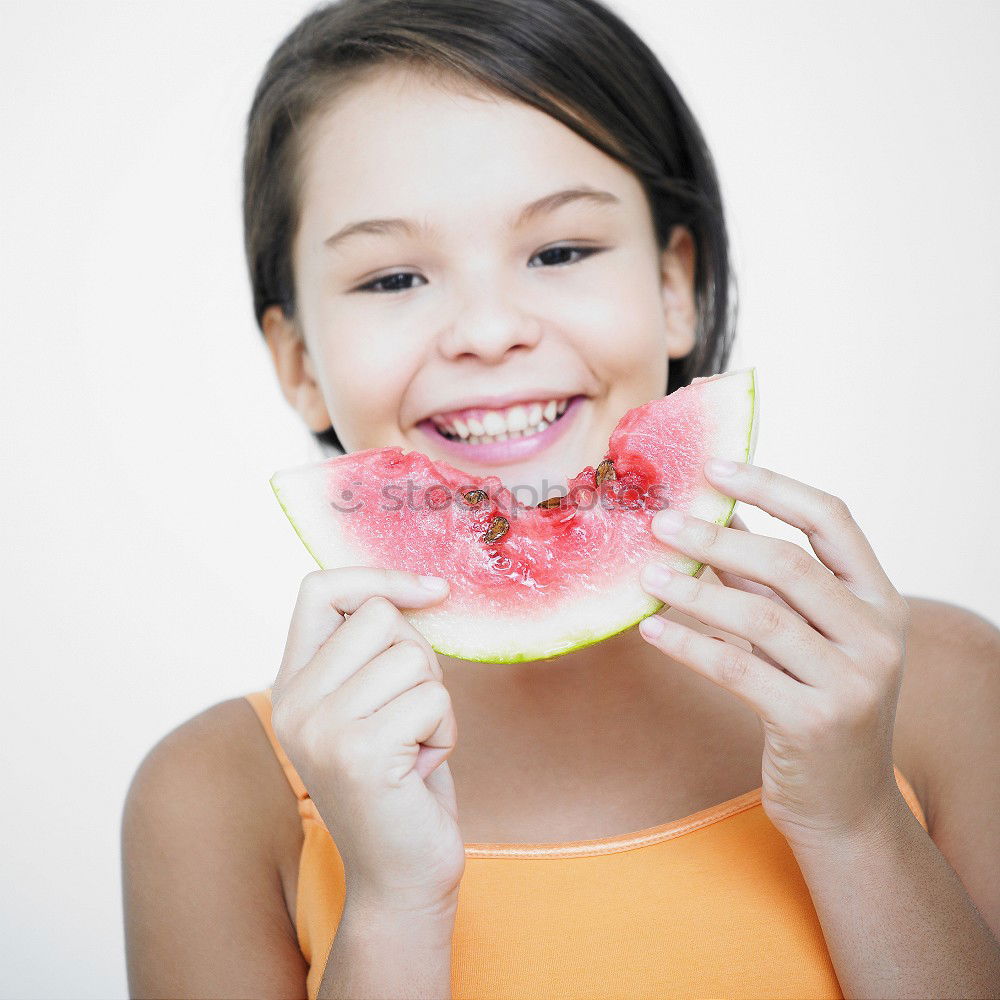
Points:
[(203, 833), (227, 744), (948, 739), (949, 700), (220, 764)]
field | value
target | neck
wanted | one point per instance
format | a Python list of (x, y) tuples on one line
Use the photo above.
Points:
[(617, 672)]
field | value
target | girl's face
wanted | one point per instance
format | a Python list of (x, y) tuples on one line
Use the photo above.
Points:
[(474, 302)]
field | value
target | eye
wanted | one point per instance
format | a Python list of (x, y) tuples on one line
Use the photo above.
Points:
[(373, 286), (584, 251)]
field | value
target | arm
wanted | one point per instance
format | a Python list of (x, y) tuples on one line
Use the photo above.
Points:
[(897, 919), (829, 638), (911, 915), (381, 953), (204, 911)]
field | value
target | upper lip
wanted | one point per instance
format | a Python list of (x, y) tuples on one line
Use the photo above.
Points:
[(502, 401)]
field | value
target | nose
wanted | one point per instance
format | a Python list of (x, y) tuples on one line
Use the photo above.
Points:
[(488, 326)]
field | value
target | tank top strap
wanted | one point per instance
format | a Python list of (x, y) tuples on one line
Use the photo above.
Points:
[(260, 701), (910, 797)]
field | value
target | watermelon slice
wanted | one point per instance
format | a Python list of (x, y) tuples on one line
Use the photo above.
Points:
[(530, 582)]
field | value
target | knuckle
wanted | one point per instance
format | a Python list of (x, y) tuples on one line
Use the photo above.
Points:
[(835, 509), (314, 584), (733, 665), (706, 535), (766, 618), (437, 695), (884, 648), (378, 609), (794, 563), (413, 656)]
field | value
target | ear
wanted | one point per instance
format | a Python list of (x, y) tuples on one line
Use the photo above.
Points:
[(295, 368), (677, 275)]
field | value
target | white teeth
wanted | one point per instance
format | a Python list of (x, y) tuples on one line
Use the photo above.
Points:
[(517, 419), (507, 425), (493, 423)]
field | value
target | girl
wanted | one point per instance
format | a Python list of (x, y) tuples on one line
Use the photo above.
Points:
[(462, 205)]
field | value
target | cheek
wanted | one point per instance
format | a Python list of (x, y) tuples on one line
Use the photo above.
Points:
[(365, 383), (621, 323), (621, 313)]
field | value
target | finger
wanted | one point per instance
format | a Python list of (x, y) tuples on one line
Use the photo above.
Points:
[(438, 779), (739, 582), (803, 582), (326, 596), (373, 628), (749, 586), (421, 716), (834, 535), (737, 522), (774, 696), (801, 651), (402, 666)]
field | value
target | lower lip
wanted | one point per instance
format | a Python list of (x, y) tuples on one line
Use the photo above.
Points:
[(501, 452)]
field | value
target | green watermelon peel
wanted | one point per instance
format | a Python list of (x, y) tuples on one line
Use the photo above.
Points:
[(482, 619)]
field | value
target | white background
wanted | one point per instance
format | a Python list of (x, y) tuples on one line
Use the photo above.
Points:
[(147, 571)]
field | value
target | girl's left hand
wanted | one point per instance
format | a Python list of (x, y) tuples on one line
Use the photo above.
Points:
[(828, 636)]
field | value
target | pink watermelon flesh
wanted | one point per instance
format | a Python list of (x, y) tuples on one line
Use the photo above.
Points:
[(559, 578)]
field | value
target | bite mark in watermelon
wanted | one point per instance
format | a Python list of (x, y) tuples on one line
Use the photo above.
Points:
[(530, 582)]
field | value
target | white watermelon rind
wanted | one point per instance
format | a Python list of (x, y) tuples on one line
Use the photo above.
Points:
[(506, 643)]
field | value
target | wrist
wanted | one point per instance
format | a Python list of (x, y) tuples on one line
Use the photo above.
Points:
[(390, 947), (398, 910), (884, 828)]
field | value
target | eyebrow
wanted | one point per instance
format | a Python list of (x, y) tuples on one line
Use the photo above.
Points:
[(549, 203)]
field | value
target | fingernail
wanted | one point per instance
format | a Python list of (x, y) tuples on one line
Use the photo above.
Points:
[(721, 467), (433, 583), (668, 521), (651, 627), (655, 575)]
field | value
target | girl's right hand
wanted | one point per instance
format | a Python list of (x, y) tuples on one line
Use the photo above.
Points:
[(360, 708)]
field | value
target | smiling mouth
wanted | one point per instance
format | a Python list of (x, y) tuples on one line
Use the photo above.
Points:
[(470, 437)]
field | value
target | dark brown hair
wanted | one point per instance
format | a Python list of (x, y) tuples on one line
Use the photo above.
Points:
[(575, 60)]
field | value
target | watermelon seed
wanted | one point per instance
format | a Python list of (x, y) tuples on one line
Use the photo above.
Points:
[(605, 471), (497, 529), (550, 503), (473, 497)]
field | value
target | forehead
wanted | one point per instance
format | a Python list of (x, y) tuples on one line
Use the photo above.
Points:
[(402, 144)]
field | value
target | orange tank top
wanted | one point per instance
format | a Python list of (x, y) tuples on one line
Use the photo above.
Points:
[(709, 906)]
